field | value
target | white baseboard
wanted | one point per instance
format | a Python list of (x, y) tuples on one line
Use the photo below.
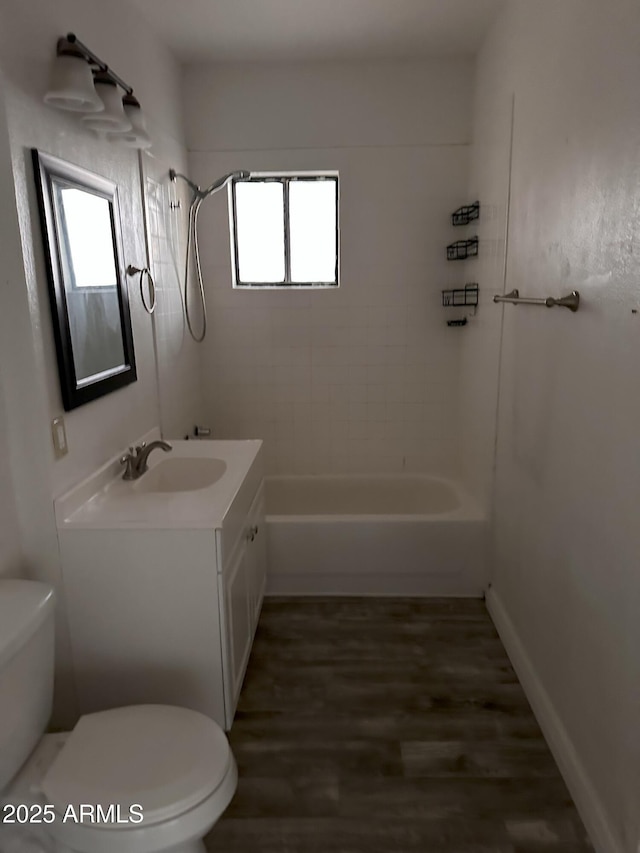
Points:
[(391, 585), (584, 795)]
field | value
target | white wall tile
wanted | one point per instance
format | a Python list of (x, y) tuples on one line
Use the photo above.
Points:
[(344, 360)]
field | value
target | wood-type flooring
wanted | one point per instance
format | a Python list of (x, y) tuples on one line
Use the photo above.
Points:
[(370, 725)]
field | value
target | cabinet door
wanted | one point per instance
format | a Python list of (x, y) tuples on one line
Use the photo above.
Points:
[(257, 555), (237, 626)]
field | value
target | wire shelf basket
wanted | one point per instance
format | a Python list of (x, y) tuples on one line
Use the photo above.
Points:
[(466, 214), (462, 249), (461, 296)]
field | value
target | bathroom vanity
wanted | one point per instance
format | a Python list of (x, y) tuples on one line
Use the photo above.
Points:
[(164, 578)]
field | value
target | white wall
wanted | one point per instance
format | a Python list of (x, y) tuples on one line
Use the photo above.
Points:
[(11, 558), (361, 378), (567, 540), (10, 547), (102, 428)]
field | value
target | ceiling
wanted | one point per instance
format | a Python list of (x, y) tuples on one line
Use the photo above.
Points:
[(271, 30)]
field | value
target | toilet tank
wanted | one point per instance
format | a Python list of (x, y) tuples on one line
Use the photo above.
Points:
[(26, 670)]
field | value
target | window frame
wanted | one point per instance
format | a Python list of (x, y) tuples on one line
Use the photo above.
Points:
[(285, 178)]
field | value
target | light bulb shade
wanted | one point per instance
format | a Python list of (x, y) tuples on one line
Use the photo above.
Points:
[(72, 86), (113, 117), (137, 137)]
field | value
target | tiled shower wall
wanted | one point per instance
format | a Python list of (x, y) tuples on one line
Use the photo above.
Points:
[(362, 378), (177, 356)]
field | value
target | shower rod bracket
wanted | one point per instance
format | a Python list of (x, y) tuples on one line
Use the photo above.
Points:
[(571, 301)]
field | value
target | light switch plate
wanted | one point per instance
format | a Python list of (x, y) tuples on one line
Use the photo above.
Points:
[(59, 435)]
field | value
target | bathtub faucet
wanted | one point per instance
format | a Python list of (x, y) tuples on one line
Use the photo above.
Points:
[(136, 459)]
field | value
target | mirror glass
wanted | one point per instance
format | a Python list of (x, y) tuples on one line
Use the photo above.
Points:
[(91, 283), (88, 298)]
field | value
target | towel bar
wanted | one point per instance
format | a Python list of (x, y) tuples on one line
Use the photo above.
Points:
[(572, 301)]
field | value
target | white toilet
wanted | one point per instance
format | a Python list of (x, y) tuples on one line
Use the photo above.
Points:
[(151, 778)]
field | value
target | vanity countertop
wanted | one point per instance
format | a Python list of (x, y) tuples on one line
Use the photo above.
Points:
[(106, 501)]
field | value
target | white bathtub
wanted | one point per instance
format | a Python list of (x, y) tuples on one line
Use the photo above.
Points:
[(373, 535)]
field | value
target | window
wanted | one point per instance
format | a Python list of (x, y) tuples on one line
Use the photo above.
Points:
[(284, 230)]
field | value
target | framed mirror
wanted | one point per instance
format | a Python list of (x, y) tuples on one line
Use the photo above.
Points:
[(89, 299)]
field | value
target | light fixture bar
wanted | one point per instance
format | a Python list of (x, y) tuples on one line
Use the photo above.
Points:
[(71, 44)]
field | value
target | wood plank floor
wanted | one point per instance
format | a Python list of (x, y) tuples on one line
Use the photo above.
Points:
[(389, 726)]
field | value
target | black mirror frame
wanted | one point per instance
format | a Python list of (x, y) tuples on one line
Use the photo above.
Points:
[(45, 168)]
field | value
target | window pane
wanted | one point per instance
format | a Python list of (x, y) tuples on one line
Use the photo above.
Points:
[(260, 231), (312, 216)]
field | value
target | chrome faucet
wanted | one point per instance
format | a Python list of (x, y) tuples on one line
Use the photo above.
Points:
[(136, 459)]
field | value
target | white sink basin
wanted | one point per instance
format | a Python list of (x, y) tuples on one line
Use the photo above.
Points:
[(181, 475), (190, 488)]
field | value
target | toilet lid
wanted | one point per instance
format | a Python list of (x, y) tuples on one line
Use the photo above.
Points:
[(162, 758)]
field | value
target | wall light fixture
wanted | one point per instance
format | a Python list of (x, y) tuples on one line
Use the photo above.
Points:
[(113, 116), (81, 82), (137, 136)]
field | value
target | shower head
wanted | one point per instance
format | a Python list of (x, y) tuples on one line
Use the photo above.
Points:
[(239, 175), (200, 194)]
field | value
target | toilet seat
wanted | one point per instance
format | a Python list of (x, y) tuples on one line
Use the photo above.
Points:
[(163, 758), (175, 833)]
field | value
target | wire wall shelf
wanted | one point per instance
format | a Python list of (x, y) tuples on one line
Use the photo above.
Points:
[(461, 296), (466, 214), (462, 249)]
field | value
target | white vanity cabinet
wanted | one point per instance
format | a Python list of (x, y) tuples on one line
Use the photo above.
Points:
[(241, 590), (163, 596), (257, 554)]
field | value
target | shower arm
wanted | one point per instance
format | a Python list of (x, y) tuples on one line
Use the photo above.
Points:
[(173, 175)]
